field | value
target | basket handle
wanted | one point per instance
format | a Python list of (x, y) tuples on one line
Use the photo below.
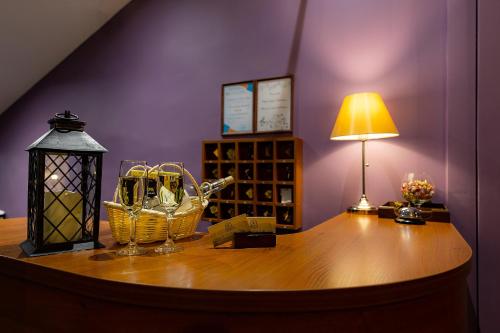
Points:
[(193, 181)]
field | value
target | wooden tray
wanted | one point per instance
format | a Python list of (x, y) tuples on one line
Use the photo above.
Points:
[(439, 212)]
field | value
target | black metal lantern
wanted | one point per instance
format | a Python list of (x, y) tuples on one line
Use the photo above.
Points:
[(64, 188)]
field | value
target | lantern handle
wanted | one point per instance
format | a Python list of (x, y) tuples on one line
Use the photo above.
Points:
[(66, 115), (66, 122)]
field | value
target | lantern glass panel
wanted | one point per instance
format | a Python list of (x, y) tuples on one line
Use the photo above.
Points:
[(91, 197), (32, 191), (69, 192)]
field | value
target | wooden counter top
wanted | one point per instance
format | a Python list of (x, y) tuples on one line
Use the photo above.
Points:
[(347, 261)]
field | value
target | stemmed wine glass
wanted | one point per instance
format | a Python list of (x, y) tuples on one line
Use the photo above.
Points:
[(132, 179), (170, 191)]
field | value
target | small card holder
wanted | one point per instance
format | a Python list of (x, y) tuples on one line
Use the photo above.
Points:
[(254, 239)]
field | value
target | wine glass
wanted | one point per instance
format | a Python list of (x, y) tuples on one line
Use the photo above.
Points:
[(132, 181), (170, 191)]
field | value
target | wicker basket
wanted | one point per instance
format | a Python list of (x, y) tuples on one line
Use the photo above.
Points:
[(151, 225)]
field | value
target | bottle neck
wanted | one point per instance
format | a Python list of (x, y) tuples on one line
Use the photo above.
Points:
[(209, 188)]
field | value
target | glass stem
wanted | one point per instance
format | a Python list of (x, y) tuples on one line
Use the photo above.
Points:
[(170, 215), (133, 219)]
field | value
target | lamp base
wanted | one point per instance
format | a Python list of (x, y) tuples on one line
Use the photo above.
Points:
[(363, 207)]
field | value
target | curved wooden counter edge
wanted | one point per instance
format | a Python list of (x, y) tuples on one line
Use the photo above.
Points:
[(437, 299), (227, 301)]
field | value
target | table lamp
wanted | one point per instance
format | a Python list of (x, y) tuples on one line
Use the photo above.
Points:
[(363, 116)]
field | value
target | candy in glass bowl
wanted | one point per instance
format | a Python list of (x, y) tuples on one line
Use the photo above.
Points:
[(417, 189)]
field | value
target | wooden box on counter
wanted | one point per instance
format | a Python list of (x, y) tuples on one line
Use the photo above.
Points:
[(268, 179), (439, 212)]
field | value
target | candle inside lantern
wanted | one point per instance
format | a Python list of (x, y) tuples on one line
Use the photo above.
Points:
[(63, 226)]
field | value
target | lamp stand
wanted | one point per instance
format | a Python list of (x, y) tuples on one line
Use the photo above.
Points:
[(363, 206)]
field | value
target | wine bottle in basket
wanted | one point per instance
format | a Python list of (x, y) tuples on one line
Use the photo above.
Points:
[(209, 188), (151, 200)]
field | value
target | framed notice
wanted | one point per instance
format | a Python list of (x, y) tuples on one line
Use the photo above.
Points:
[(237, 108), (274, 105)]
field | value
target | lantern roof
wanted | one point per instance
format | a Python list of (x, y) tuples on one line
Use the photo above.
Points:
[(67, 134)]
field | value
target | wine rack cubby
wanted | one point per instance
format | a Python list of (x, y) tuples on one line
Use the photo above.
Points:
[(268, 179)]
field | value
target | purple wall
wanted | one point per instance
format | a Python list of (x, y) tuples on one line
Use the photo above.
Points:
[(148, 84), (489, 164), (461, 127), (394, 47)]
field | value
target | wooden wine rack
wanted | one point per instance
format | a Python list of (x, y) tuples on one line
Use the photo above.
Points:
[(268, 179)]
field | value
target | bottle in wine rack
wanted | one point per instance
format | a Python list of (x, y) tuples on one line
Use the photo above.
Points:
[(213, 210)]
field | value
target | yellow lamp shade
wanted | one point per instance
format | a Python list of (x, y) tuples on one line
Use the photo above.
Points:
[(363, 116)]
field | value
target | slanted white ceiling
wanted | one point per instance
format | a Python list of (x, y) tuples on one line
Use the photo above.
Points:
[(36, 35)]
